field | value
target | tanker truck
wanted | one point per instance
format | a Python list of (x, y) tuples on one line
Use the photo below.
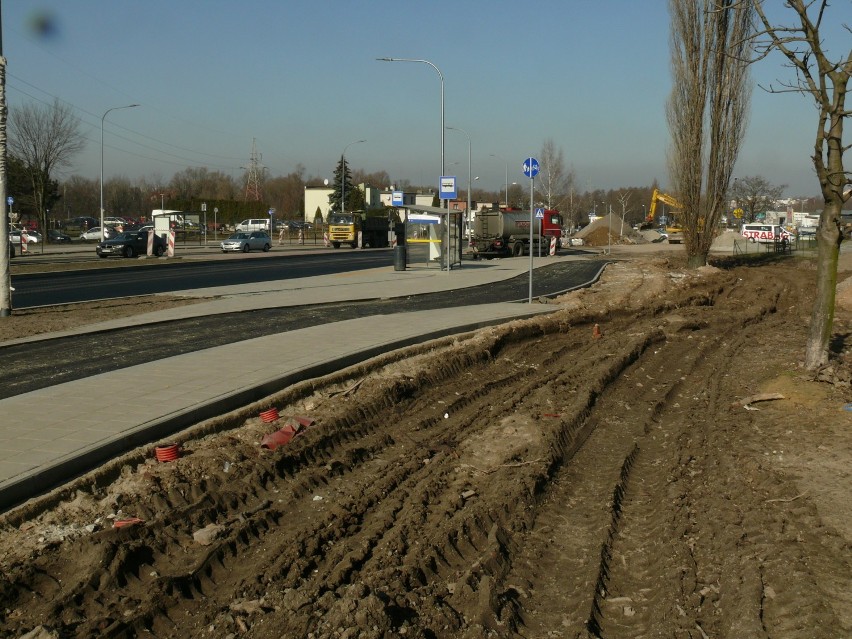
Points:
[(506, 233)]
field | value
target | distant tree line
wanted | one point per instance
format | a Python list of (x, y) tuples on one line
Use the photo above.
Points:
[(40, 196)]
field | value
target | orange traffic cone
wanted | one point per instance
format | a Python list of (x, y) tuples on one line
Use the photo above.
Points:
[(596, 332)]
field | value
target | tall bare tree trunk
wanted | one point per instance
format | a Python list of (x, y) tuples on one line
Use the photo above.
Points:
[(706, 112), (826, 81), (5, 267), (832, 182)]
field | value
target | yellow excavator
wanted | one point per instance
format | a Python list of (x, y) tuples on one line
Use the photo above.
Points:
[(675, 232)]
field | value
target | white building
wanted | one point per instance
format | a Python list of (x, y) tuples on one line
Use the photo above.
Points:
[(316, 197), (409, 198)]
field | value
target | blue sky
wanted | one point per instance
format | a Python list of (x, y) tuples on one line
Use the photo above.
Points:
[(302, 80)]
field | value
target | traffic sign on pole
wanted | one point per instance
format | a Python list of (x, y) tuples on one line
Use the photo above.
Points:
[(530, 167), (448, 187)]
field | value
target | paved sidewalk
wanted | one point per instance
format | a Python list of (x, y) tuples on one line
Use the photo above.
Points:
[(53, 434)]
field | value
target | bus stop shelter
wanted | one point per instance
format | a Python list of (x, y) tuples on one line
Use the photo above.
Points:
[(433, 235)]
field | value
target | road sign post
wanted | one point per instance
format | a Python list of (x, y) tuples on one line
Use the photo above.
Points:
[(203, 234), (448, 191), (531, 170), (539, 215)]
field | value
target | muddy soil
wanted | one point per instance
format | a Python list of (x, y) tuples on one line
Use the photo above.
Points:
[(648, 461)]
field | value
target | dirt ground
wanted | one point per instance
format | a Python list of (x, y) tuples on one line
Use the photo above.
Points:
[(648, 461)]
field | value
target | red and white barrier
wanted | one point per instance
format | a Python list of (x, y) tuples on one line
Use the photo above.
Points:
[(150, 250), (171, 250), (24, 241), (553, 246)]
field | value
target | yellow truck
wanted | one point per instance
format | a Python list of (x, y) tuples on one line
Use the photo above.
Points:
[(344, 228)]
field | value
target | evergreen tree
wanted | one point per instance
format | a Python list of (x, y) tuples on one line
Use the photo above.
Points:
[(342, 185)]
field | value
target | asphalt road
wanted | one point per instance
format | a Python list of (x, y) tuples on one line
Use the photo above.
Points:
[(118, 277), (30, 366)]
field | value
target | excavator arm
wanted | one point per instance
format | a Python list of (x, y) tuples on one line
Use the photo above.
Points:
[(665, 199)]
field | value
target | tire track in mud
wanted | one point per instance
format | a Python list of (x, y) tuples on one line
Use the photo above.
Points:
[(518, 484), (373, 508), (577, 520), (580, 596), (640, 587), (722, 589)]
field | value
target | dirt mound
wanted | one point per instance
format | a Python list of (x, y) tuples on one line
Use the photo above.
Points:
[(539, 479)]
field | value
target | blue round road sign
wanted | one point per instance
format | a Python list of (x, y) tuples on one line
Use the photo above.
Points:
[(530, 167)]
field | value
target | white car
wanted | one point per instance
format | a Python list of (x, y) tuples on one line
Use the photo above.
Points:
[(33, 237), (94, 233), (245, 242)]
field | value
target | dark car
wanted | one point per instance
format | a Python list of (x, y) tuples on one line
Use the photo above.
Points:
[(130, 244), (55, 236)]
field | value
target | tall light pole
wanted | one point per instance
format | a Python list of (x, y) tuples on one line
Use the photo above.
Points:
[(469, 174), (103, 117), (494, 155), (440, 75), (343, 175)]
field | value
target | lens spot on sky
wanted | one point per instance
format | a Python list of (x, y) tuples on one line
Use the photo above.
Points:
[(44, 25)]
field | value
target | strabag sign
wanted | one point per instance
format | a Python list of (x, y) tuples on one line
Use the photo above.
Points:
[(766, 233)]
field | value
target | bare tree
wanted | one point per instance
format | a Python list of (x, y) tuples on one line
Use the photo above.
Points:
[(554, 181), (755, 193), (825, 81), (706, 111), (286, 193), (80, 196), (123, 198), (44, 139)]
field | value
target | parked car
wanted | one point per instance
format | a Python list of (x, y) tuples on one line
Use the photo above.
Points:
[(55, 236), (33, 237), (77, 225), (254, 224), (130, 244), (246, 242), (94, 233)]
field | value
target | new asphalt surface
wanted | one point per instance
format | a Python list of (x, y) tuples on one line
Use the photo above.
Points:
[(50, 435)]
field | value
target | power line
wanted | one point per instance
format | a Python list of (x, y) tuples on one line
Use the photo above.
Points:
[(131, 131)]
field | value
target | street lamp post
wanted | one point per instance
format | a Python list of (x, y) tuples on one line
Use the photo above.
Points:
[(103, 117), (494, 155), (441, 76), (469, 174), (343, 175)]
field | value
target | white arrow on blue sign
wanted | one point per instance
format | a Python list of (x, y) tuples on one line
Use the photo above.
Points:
[(530, 167), (10, 200)]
